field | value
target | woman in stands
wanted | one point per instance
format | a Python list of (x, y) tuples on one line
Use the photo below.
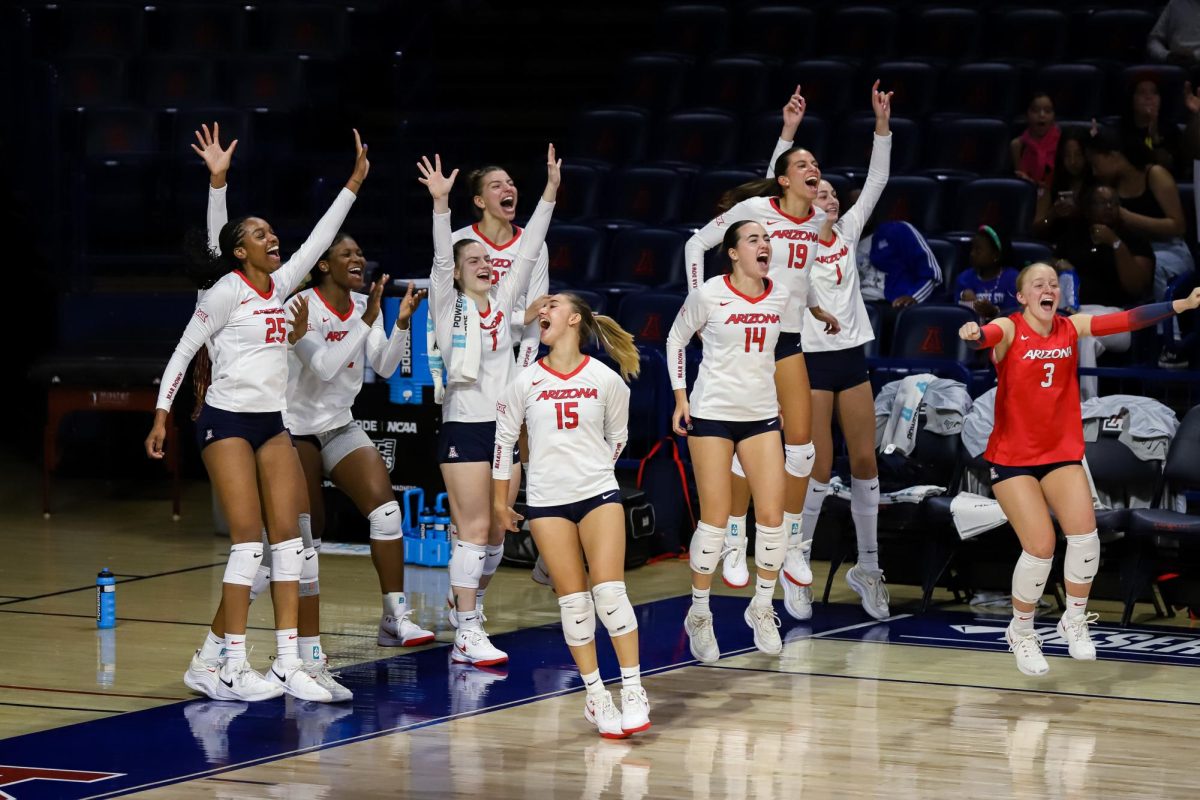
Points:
[(837, 370), (783, 206), (1035, 462), (473, 331), (577, 412), (1034, 151), (244, 444), (734, 408), (1061, 201)]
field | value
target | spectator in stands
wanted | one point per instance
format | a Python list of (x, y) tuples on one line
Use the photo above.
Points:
[(1034, 151), (897, 270), (1175, 38), (990, 284), (1147, 138), (1060, 202), (1149, 206)]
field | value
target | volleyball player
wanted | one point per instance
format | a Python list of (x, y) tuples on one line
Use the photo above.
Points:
[(783, 205), (1036, 448), (576, 410), (837, 371), (473, 332), (244, 444), (733, 408)]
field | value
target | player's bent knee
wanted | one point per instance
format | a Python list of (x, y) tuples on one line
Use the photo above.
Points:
[(1082, 558), (614, 609), (1029, 577), (705, 550), (770, 546), (385, 522), (466, 565), (243, 563), (578, 618), (798, 459), (287, 560)]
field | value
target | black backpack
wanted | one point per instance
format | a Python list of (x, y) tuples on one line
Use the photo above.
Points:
[(671, 490)]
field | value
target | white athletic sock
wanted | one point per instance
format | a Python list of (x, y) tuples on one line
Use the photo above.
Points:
[(394, 604), (631, 676), (1076, 606), (287, 648), (235, 649), (1022, 620), (813, 500), (764, 591), (864, 509), (310, 649), (470, 619), (736, 528), (213, 647), (592, 683), (793, 528), (700, 600), (479, 597)]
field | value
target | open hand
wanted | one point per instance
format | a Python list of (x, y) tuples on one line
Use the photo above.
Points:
[(216, 158), (439, 185), (408, 305), (375, 299), (361, 165), (299, 321)]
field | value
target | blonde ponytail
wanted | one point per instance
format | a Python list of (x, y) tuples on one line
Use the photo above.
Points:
[(618, 343)]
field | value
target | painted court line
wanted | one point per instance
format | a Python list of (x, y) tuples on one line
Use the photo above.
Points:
[(92, 586)]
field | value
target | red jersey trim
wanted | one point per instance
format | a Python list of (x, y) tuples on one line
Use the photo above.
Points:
[(265, 296), (493, 245), (333, 310), (542, 363), (798, 220), (824, 243), (746, 297)]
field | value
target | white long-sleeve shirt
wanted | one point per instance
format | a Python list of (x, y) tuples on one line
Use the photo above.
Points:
[(476, 402), (246, 330), (577, 423), (1177, 27), (502, 257), (326, 370), (793, 247), (833, 279), (736, 382)]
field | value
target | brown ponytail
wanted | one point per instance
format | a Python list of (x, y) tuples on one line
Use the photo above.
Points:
[(763, 187), (615, 340)]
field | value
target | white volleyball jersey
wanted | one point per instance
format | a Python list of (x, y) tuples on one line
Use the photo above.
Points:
[(833, 279), (793, 247), (503, 256), (326, 368), (476, 401), (246, 330), (738, 333), (577, 425)]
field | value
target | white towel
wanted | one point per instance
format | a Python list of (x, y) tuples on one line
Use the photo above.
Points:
[(973, 514), (901, 428), (436, 365), (463, 360), (912, 494)]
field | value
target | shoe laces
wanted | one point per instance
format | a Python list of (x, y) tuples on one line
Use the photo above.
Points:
[(704, 628), (764, 616), (1078, 626), (634, 694), (603, 703), (1025, 643), (878, 588)]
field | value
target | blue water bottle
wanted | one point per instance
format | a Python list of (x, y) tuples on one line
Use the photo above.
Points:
[(441, 517), (106, 599), (425, 523)]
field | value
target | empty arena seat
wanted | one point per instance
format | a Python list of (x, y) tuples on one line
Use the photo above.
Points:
[(610, 135), (986, 89), (90, 81), (707, 190), (650, 195), (949, 258), (1076, 89), (707, 138), (911, 198), (1004, 203), (1116, 33), (931, 332), (579, 194), (120, 132), (855, 139), (697, 30), (193, 29), (827, 85), (313, 29), (576, 254), (978, 146), (864, 33), (649, 316), (1025, 252), (89, 29), (944, 35), (646, 257), (179, 82), (915, 86), (266, 82), (761, 132), (732, 84), (782, 32), (1036, 35), (653, 82), (597, 302)]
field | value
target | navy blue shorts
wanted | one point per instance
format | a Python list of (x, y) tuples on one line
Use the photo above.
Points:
[(574, 512), (788, 344), (467, 442), (256, 427), (999, 472), (733, 431), (837, 370)]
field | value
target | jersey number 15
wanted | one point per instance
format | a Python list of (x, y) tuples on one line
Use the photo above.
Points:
[(568, 415)]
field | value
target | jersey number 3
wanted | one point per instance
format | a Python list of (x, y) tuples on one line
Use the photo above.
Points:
[(1049, 381), (276, 330), (568, 415)]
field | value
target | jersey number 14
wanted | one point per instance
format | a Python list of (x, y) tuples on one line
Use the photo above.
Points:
[(756, 336)]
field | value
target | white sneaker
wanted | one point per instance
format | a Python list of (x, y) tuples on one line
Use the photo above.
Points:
[(1079, 639), (870, 587), (295, 681), (401, 631), (203, 676), (765, 623), (472, 646), (797, 600), (703, 641), (453, 613), (734, 571), (600, 711), (635, 710), (243, 683), (1027, 647), (795, 564), (319, 672), (540, 574)]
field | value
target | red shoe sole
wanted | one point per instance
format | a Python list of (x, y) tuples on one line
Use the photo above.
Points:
[(622, 735), (638, 729), (734, 585), (415, 642), (794, 581)]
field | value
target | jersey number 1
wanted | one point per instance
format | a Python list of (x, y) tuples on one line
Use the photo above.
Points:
[(568, 415), (276, 330), (756, 336)]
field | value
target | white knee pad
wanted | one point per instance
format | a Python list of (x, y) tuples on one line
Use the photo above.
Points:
[(1029, 577), (1082, 558), (494, 553), (385, 522), (262, 581), (737, 467), (705, 550), (287, 560), (466, 565), (243, 563), (578, 618), (770, 546), (305, 523), (798, 459), (614, 609)]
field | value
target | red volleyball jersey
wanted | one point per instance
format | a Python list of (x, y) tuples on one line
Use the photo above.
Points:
[(1038, 419)]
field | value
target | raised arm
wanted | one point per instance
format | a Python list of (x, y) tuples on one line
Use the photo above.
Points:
[(1134, 319), (998, 334), (516, 283), (386, 351), (854, 220), (706, 239), (217, 159), (539, 286), (442, 294), (793, 114), (288, 276)]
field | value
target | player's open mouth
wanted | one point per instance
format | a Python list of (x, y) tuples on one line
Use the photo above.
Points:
[(273, 252), (484, 274), (356, 271), (508, 203), (545, 324), (764, 259), (1048, 303), (812, 181)]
